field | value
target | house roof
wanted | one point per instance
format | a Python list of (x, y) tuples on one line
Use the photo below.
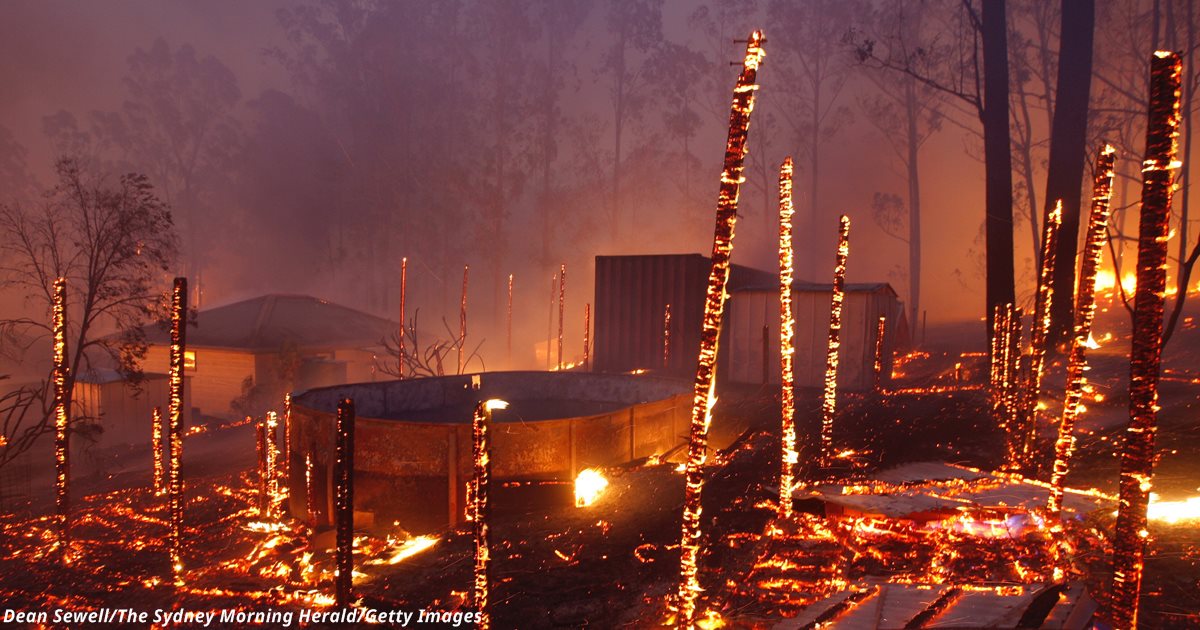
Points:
[(818, 287), (270, 321)]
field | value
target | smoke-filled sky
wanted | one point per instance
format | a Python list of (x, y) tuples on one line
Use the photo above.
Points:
[(305, 147)]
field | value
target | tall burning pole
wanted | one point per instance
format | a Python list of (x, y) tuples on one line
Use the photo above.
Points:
[(880, 331), (343, 479), (462, 320), (829, 399), (508, 318), (403, 314), (272, 469), (175, 427), (481, 452), (1137, 457), (666, 336), (156, 446), (1085, 312), (1011, 388), (1038, 334), (62, 435), (714, 307), (286, 464), (787, 330), (587, 336), (562, 296)]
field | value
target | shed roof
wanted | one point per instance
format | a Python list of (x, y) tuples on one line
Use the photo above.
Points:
[(270, 321), (817, 287)]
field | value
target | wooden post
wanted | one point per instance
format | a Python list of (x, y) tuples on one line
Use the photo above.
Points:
[(62, 420), (481, 452), (343, 472), (787, 332), (175, 428), (562, 296), (403, 315)]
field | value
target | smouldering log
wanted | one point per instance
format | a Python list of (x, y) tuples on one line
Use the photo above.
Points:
[(562, 296), (880, 330), (787, 331), (714, 307), (666, 344), (1137, 456), (462, 320), (343, 481), (587, 336), (62, 435), (829, 398), (175, 426), (1038, 334), (1085, 312), (403, 315), (481, 456), (156, 446)]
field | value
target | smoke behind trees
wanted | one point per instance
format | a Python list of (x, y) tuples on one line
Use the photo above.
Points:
[(306, 147)]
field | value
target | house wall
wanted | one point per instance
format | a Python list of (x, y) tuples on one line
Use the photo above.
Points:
[(217, 379)]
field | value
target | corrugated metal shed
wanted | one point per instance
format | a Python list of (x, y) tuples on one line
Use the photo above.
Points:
[(631, 295), (754, 312)]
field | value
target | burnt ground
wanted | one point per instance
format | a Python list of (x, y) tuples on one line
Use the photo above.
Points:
[(615, 563)]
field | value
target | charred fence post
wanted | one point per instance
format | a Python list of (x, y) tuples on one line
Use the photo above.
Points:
[(260, 444), (562, 297), (508, 320), (1085, 312), (1137, 456), (666, 344), (62, 430), (550, 318), (343, 479), (587, 337), (714, 307), (400, 349), (481, 456), (787, 331), (175, 427), (880, 331), (829, 398), (462, 320), (272, 464)]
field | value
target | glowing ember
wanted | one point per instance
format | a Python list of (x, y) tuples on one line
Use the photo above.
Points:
[(1085, 313), (175, 426), (1137, 457), (714, 306), (589, 485), (62, 446), (343, 480), (829, 398), (787, 330), (1173, 512)]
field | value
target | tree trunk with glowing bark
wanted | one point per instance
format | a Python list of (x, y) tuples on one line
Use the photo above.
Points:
[(62, 429), (829, 399), (787, 329), (1137, 457), (714, 307), (1039, 330), (175, 428)]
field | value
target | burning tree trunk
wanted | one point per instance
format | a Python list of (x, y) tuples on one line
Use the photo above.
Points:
[(1137, 457), (481, 453), (403, 296), (880, 329), (175, 428), (343, 479), (156, 446), (997, 356), (62, 435), (1011, 387), (462, 320), (787, 329), (1085, 311), (562, 296), (1038, 334), (714, 307), (286, 465), (587, 337), (829, 400)]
